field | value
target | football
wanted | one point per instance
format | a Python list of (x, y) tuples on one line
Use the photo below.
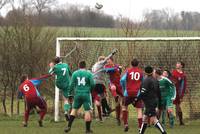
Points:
[(98, 6)]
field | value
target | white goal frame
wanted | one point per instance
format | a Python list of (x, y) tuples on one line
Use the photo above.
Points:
[(109, 39)]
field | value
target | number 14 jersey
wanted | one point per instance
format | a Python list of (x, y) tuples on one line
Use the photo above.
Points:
[(82, 81)]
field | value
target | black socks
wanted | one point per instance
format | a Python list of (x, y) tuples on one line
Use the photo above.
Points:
[(143, 128), (87, 125), (71, 119)]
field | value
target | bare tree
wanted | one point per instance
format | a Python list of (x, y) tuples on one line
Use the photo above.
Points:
[(24, 51), (41, 5), (3, 3), (132, 29)]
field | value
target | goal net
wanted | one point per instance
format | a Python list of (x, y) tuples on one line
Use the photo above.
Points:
[(158, 52)]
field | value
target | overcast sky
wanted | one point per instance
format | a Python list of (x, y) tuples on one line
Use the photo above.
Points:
[(135, 8)]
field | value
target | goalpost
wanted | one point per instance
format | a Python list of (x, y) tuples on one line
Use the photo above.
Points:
[(114, 39)]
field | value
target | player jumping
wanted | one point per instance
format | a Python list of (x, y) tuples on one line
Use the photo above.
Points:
[(33, 97), (168, 94), (63, 73), (150, 94), (179, 78), (114, 72), (82, 83), (100, 89), (131, 82)]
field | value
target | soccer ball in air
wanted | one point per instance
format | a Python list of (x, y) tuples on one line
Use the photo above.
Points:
[(98, 6)]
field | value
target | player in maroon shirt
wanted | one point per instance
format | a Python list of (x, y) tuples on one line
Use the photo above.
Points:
[(179, 79), (131, 82), (33, 97), (114, 72)]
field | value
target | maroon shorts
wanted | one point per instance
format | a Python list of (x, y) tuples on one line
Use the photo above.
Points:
[(130, 100), (98, 92), (177, 100), (36, 102), (117, 91)]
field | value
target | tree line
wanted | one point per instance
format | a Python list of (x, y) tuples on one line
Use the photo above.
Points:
[(70, 15), (48, 14), (83, 16), (168, 19)]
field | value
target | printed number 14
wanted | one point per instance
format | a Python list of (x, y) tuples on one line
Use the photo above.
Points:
[(81, 81)]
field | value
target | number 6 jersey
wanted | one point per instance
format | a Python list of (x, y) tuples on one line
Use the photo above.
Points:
[(29, 89)]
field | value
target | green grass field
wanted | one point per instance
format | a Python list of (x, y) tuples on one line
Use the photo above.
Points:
[(118, 32), (14, 126)]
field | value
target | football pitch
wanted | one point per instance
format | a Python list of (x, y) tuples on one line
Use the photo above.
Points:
[(14, 126)]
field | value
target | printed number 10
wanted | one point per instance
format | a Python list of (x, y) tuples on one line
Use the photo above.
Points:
[(135, 76)]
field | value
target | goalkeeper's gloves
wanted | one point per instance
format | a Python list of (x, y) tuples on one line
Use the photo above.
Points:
[(114, 51)]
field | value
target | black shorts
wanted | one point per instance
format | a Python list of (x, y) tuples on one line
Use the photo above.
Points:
[(150, 109)]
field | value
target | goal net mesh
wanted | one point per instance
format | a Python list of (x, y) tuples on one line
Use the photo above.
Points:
[(162, 54)]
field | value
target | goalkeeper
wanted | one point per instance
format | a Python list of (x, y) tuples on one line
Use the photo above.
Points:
[(63, 73), (98, 93)]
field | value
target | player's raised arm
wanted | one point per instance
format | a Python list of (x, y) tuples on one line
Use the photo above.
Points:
[(51, 70), (44, 77), (38, 81), (109, 56), (101, 63), (110, 70)]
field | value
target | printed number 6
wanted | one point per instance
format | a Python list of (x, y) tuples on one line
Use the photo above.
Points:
[(26, 88)]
